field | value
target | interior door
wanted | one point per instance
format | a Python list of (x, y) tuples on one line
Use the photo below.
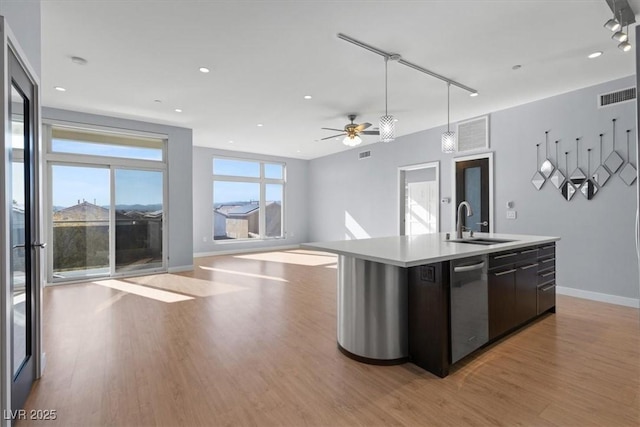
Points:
[(472, 185), (24, 271), (421, 204)]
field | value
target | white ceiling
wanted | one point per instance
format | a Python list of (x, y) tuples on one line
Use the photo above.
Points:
[(265, 56)]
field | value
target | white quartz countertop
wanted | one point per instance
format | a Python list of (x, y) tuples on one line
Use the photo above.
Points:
[(409, 251)]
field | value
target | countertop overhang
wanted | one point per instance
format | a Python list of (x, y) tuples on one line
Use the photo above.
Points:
[(409, 251)]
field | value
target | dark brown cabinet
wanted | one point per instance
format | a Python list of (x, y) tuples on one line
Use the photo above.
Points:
[(513, 289), (546, 281)]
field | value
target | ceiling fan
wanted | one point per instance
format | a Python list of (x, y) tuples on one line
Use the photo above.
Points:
[(352, 132)]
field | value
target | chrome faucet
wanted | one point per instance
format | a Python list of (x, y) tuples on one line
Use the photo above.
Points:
[(459, 223)]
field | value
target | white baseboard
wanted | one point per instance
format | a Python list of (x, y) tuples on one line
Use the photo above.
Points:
[(597, 296), (180, 268), (247, 250)]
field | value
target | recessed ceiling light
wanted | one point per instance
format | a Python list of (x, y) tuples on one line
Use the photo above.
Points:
[(204, 70), (395, 120), (230, 142), (308, 97), (594, 54), (516, 67), (473, 94), (78, 60), (178, 110), (260, 125), (297, 151), (60, 89)]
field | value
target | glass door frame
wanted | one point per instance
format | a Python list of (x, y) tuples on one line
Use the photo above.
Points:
[(8, 45), (489, 156), (113, 164)]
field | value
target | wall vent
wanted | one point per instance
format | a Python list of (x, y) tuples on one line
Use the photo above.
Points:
[(608, 99), (473, 134), (364, 154)]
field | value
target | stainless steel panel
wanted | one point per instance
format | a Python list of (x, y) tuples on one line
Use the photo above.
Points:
[(469, 306), (372, 309)]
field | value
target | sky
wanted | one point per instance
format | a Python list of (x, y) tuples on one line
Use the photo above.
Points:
[(73, 183), (229, 191)]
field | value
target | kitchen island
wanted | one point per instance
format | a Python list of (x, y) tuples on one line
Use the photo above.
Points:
[(432, 301)]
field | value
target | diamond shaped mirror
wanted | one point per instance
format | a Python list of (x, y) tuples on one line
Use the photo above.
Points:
[(568, 190), (614, 161), (547, 167), (557, 177), (577, 177), (601, 175), (628, 174), (588, 188), (538, 178)]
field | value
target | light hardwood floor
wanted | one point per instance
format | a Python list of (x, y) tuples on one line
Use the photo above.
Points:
[(250, 340)]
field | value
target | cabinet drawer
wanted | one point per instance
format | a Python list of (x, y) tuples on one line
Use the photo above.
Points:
[(546, 264), (545, 251), (501, 259), (546, 297), (547, 277)]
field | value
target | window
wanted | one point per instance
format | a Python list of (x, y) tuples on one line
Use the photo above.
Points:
[(248, 199)]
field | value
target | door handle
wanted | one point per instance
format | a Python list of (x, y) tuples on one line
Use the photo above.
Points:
[(464, 268), (483, 223), (39, 245), (18, 246), (502, 273)]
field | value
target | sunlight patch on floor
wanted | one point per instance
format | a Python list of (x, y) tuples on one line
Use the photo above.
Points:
[(186, 285), (241, 273), (143, 291), (290, 257)]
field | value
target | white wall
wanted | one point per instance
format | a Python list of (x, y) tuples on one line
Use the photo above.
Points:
[(180, 186), (597, 250), (296, 202)]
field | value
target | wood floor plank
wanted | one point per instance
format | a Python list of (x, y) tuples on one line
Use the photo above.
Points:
[(254, 343)]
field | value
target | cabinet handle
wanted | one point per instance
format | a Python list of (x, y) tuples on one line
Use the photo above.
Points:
[(547, 288), (502, 273), (548, 260), (529, 251), (526, 267), (548, 274), (505, 255), (549, 247), (463, 268)]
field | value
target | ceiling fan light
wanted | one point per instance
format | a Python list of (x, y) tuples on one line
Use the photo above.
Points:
[(625, 46), (387, 128), (448, 142), (352, 141), (612, 25), (620, 36)]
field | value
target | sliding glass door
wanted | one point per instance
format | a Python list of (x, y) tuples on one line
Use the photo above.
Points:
[(139, 218), (80, 217), (107, 211)]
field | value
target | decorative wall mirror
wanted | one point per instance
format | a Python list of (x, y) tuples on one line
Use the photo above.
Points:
[(557, 177), (577, 177), (628, 173), (568, 190), (588, 188), (547, 167), (601, 176), (538, 178), (614, 161)]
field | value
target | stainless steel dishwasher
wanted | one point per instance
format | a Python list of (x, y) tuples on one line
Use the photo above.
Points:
[(469, 306)]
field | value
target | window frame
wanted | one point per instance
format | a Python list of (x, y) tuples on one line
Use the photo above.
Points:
[(262, 181)]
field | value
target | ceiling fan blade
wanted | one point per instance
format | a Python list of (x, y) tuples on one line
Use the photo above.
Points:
[(337, 130), (333, 136), (370, 132), (362, 126)]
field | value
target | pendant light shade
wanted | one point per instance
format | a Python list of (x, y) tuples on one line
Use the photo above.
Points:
[(387, 126), (448, 137), (352, 141), (612, 25)]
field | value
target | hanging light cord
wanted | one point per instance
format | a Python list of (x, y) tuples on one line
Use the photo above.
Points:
[(448, 103), (386, 82)]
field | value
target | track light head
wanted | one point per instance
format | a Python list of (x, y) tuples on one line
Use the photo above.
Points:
[(625, 46), (612, 25), (620, 36)]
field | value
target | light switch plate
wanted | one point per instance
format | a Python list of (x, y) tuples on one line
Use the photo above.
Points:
[(511, 215)]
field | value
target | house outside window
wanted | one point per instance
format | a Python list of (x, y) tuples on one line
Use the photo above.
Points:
[(248, 199)]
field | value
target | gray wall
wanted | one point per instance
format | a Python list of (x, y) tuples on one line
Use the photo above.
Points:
[(597, 250), (180, 186), (296, 202), (24, 20)]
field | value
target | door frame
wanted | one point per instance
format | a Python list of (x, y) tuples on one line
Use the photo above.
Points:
[(455, 160), (9, 43), (401, 192)]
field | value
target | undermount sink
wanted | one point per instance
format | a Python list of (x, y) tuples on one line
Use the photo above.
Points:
[(481, 241)]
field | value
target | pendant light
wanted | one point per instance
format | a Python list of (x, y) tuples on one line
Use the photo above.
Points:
[(448, 137), (387, 123)]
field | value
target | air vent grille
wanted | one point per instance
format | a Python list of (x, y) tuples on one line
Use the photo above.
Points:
[(473, 134), (364, 154), (607, 99)]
